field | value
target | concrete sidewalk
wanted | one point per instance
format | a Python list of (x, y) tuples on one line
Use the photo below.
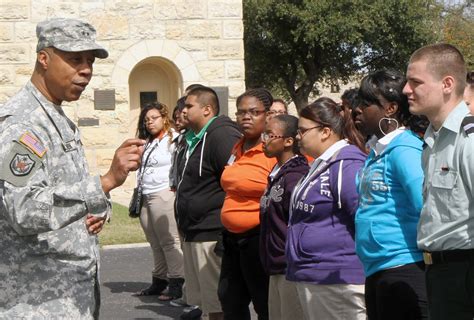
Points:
[(125, 270)]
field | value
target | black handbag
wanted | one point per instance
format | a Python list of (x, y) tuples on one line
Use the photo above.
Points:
[(135, 205)]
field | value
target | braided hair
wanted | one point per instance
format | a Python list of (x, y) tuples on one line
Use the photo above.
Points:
[(262, 95)]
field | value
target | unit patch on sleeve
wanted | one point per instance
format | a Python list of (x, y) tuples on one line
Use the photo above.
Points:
[(19, 164)]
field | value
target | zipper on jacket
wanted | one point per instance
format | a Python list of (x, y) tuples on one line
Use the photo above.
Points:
[(181, 180)]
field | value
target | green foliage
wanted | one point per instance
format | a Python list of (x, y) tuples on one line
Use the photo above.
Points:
[(458, 29), (291, 45), (121, 229)]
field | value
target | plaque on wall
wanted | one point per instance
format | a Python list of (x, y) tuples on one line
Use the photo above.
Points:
[(88, 122), (147, 97), (104, 99)]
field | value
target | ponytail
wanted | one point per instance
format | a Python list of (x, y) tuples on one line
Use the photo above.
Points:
[(329, 114)]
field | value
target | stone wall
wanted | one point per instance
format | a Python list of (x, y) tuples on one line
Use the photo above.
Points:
[(202, 38)]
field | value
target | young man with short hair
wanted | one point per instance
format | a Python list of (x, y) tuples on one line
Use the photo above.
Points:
[(436, 79), (199, 196)]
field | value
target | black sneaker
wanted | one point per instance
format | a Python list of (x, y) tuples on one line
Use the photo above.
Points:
[(193, 314)]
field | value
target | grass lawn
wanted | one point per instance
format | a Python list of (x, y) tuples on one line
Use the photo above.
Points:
[(121, 229)]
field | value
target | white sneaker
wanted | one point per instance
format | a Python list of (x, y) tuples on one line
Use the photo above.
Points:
[(194, 314), (180, 303), (190, 308)]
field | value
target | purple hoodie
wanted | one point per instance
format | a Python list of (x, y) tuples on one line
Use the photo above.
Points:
[(320, 248), (274, 213)]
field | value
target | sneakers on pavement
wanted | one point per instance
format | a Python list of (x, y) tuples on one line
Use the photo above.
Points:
[(193, 314), (179, 303), (190, 308)]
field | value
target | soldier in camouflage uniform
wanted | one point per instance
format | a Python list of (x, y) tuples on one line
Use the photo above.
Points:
[(50, 207)]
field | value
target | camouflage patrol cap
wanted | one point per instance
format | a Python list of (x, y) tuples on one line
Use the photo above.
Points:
[(68, 35)]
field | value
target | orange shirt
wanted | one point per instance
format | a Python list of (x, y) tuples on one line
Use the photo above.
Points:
[(244, 182), (309, 158)]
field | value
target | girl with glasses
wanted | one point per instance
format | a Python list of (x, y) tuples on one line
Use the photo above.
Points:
[(157, 212), (278, 107), (279, 141), (242, 278), (320, 247)]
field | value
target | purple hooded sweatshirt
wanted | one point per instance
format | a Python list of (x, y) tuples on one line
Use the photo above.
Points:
[(320, 248), (274, 213)]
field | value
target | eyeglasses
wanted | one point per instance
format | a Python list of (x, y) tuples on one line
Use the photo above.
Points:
[(252, 112), (302, 131), (268, 136), (276, 112), (151, 119)]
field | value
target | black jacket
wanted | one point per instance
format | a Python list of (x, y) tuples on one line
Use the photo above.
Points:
[(199, 196), (176, 159)]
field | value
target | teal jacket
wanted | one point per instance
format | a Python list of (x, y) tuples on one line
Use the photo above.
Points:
[(390, 201)]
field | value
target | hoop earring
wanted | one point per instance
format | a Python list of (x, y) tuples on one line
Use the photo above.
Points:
[(389, 121)]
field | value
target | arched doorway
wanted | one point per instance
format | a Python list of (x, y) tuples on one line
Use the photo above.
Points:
[(153, 78)]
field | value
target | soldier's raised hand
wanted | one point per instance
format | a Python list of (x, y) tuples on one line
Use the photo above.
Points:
[(126, 158)]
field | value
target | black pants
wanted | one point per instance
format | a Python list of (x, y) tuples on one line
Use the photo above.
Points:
[(397, 293), (242, 278), (450, 289)]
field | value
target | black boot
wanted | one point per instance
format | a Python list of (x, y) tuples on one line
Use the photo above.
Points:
[(175, 290), (157, 287), (175, 287)]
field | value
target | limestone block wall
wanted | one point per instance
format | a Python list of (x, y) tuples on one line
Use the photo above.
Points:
[(201, 38)]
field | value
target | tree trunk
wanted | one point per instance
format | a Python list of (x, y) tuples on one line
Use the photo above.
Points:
[(301, 95), (300, 101), (298, 95)]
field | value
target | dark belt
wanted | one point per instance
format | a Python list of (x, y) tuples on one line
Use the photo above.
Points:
[(447, 256)]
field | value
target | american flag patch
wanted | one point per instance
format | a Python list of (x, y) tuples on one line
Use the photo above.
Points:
[(33, 144)]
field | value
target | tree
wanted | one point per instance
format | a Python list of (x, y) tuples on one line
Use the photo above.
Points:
[(292, 44), (458, 29)]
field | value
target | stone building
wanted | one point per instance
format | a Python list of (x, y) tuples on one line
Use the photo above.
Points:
[(157, 48)]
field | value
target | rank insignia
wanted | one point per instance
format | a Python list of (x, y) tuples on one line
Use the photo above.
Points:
[(21, 165), (468, 124)]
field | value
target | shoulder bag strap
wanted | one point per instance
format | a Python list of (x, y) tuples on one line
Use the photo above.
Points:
[(143, 166)]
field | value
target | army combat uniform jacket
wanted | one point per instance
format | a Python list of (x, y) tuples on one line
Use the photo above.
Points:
[(48, 260)]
